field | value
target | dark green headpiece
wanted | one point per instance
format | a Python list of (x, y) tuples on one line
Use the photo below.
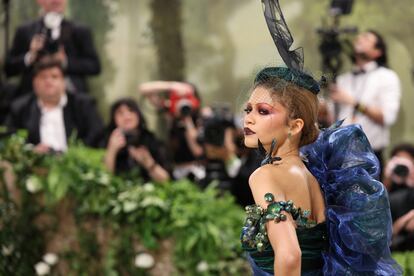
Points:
[(294, 76)]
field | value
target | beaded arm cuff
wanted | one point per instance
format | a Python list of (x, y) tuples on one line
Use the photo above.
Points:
[(255, 234)]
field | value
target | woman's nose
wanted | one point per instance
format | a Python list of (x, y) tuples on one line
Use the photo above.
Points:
[(248, 119)]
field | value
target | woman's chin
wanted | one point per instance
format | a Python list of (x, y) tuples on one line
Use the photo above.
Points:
[(250, 142)]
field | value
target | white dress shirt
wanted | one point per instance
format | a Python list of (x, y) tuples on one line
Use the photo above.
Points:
[(52, 126), (379, 87)]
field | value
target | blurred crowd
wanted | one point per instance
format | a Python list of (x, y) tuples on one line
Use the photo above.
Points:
[(54, 56)]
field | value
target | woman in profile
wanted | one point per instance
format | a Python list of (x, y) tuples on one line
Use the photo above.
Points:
[(318, 208)]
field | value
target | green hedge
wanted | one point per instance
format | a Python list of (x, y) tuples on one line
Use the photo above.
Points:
[(406, 260), (201, 227)]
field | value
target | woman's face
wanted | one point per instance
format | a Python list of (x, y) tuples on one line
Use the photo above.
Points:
[(125, 118), (265, 120)]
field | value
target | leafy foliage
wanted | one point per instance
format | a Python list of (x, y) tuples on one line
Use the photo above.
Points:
[(130, 215)]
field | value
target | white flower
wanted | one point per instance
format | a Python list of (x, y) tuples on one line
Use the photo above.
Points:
[(88, 176), (152, 201), (50, 258), (7, 250), (202, 266), (129, 206), (144, 260), (104, 179), (42, 268), (33, 184), (148, 187)]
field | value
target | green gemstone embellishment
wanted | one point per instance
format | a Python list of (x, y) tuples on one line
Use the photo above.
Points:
[(274, 208), (269, 197), (255, 234), (260, 246)]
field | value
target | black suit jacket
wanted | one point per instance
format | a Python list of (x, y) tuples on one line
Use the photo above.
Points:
[(80, 50), (79, 115)]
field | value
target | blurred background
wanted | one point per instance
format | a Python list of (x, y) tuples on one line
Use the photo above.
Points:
[(222, 44), (120, 201)]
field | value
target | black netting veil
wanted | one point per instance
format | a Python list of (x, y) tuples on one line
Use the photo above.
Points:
[(281, 35)]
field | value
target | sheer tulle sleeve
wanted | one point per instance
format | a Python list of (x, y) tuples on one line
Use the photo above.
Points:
[(357, 208)]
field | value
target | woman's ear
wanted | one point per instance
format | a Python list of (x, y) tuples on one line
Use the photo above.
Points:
[(296, 126)]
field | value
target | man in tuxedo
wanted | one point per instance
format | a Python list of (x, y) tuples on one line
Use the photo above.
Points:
[(50, 115), (52, 34)]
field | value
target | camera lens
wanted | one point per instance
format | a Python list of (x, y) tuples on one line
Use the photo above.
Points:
[(185, 110), (401, 171)]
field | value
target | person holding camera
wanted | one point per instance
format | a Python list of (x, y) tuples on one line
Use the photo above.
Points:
[(370, 94), (131, 145), (399, 171), (181, 102), (399, 181), (52, 34), (218, 136), (51, 115)]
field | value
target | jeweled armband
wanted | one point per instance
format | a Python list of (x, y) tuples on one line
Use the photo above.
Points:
[(255, 234)]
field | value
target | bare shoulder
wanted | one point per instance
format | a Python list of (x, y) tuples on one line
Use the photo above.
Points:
[(264, 173), (282, 175), (266, 179)]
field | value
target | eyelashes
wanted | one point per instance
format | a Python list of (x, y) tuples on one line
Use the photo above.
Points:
[(260, 110), (263, 111), (247, 110)]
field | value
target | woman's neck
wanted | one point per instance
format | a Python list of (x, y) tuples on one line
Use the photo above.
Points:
[(283, 151), (286, 153)]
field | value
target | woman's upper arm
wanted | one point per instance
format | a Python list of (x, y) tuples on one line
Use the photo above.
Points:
[(282, 235)]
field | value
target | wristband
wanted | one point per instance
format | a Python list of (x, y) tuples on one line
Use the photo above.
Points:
[(360, 108)]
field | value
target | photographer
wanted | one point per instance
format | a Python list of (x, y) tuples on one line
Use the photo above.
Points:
[(218, 137), (399, 171), (180, 102), (399, 180), (52, 34), (131, 145), (370, 94)]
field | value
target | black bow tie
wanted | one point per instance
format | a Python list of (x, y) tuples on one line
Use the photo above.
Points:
[(358, 72)]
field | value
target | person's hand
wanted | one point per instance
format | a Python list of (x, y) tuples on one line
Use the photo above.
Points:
[(41, 149), (142, 155), (182, 88), (214, 152), (341, 96), (36, 44), (116, 141), (61, 56), (409, 227), (225, 152)]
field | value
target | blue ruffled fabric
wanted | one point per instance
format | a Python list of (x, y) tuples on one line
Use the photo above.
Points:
[(357, 208)]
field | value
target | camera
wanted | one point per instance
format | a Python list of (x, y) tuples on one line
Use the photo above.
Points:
[(132, 138), (181, 105), (331, 44), (51, 31), (401, 171), (216, 125), (341, 7)]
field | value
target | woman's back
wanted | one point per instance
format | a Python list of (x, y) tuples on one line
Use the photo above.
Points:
[(297, 184)]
